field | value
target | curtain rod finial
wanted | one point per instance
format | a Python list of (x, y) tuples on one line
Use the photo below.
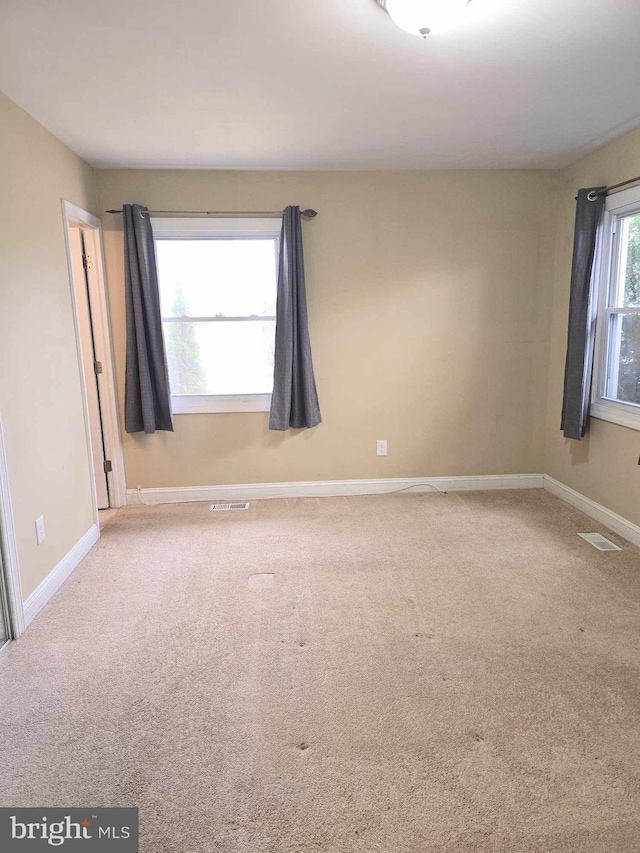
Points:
[(113, 211), (309, 214)]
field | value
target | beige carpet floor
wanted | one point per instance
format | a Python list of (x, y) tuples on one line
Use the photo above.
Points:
[(426, 673)]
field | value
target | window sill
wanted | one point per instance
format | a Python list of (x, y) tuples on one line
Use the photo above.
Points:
[(628, 417), (199, 404)]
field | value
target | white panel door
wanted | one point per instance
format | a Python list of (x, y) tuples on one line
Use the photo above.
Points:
[(89, 361)]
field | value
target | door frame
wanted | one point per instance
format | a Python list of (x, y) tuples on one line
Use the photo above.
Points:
[(9, 565), (76, 216)]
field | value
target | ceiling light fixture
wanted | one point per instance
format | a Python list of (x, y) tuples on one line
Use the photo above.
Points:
[(421, 17)]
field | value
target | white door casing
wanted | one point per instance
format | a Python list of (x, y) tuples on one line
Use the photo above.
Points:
[(11, 566), (75, 217)]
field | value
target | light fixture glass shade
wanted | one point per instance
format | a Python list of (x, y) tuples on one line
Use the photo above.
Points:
[(420, 17)]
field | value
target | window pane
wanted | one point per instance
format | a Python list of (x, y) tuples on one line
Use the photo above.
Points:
[(629, 284), (209, 278), (220, 358), (624, 358)]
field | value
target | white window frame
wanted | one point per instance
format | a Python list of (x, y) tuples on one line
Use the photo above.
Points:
[(602, 407), (211, 228)]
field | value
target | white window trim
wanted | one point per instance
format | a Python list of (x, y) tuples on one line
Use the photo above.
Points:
[(196, 404), (190, 228), (602, 407)]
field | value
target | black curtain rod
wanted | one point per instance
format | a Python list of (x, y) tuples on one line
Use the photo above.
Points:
[(621, 184), (229, 214), (593, 195)]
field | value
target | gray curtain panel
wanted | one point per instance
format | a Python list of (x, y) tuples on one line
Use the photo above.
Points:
[(582, 310), (294, 403), (147, 395)]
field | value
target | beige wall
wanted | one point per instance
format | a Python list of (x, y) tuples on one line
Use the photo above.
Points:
[(604, 466), (429, 301), (40, 392)]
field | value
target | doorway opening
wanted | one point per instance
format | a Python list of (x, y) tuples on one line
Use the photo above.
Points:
[(95, 354), (5, 622), (11, 606)]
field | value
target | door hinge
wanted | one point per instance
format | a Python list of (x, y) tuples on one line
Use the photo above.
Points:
[(87, 263), (108, 467), (97, 367)]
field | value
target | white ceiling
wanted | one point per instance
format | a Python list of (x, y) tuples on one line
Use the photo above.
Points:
[(322, 84)]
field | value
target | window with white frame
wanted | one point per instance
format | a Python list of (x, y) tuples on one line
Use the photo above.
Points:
[(217, 280), (617, 375)]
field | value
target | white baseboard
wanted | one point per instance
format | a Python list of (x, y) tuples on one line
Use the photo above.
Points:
[(43, 593), (333, 488), (606, 517)]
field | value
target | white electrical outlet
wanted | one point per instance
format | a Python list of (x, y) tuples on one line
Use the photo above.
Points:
[(381, 447), (40, 534)]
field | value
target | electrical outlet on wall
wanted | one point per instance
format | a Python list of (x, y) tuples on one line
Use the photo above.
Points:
[(40, 534), (381, 447)]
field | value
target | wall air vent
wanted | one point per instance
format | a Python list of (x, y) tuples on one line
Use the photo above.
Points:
[(227, 507), (600, 542)]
